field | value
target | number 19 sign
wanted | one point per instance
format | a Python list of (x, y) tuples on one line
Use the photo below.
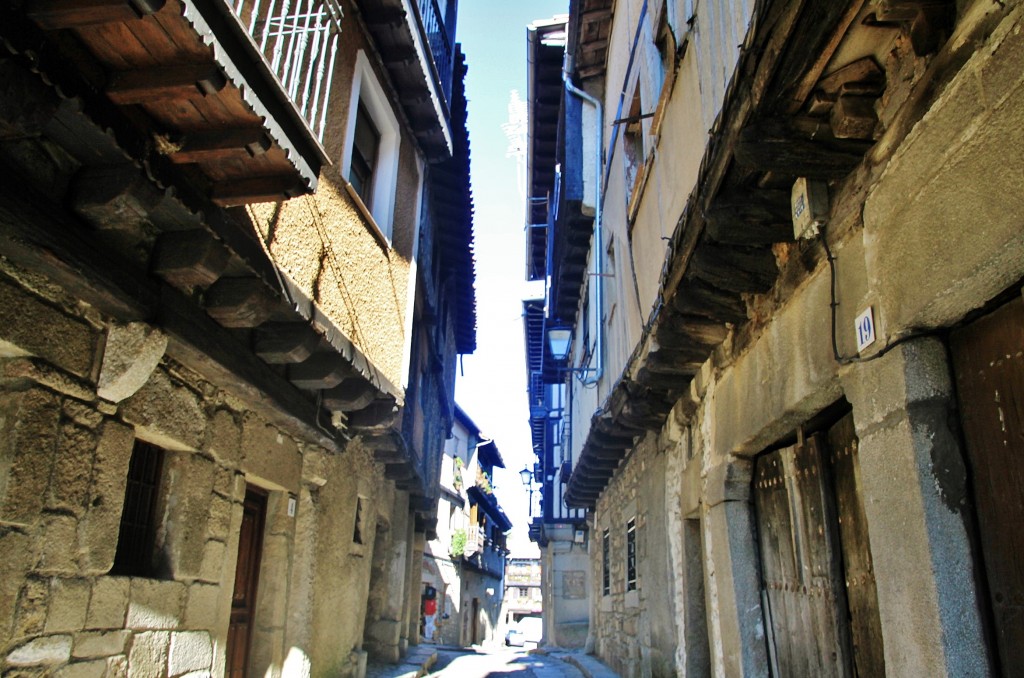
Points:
[(865, 326)]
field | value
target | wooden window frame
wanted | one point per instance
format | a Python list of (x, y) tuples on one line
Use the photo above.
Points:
[(368, 93)]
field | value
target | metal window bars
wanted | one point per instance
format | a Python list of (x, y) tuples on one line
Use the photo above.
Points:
[(433, 24), (299, 41)]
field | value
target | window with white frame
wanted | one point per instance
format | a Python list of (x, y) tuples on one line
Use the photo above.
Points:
[(372, 143)]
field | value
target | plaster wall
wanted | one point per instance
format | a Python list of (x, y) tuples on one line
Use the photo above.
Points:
[(333, 251), (487, 590), (566, 589)]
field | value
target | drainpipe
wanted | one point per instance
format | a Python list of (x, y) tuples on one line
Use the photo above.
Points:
[(595, 376)]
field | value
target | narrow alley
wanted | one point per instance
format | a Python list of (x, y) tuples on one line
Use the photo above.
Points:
[(542, 339), (479, 662)]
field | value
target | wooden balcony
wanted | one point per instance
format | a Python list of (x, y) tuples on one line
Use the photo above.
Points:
[(235, 95)]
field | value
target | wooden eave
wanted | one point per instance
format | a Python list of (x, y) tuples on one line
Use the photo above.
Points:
[(798, 106), (412, 72), (187, 76), (86, 203), (544, 104), (592, 25), (452, 205)]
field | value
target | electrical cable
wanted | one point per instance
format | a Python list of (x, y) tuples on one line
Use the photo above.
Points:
[(849, 360)]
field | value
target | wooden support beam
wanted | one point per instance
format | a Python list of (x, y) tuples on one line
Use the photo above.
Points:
[(854, 117), (864, 73), (679, 362), (797, 149), (399, 472), (380, 414), (116, 197), (27, 105), (56, 14), (749, 217), (284, 343), (320, 371), (190, 258), (698, 298), (601, 452), (154, 85), (386, 449), (598, 463), (240, 302), (237, 192), (905, 10), (351, 394), (735, 269), (45, 238), (213, 145), (931, 27), (48, 240), (674, 329), (665, 382), (382, 15)]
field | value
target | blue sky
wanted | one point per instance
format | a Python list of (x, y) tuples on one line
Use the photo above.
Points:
[(492, 389)]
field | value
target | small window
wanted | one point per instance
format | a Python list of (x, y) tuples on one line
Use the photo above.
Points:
[(665, 42), (136, 540), (372, 142), (359, 528), (631, 555), (364, 155), (633, 142), (606, 579)]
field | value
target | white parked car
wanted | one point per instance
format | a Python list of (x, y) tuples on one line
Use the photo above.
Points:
[(515, 638)]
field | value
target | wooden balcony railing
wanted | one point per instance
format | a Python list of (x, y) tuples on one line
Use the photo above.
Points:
[(299, 41)]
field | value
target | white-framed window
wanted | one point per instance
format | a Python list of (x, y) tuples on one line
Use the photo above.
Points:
[(372, 142)]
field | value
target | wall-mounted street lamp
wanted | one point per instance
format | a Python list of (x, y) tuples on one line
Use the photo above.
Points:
[(559, 342), (526, 475)]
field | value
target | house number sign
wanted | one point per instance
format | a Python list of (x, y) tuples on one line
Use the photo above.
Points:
[(865, 327)]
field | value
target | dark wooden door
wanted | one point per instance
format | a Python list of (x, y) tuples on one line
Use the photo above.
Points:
[(474, 622), (801, 563), (988, 358), (858, 569), (247, 570)]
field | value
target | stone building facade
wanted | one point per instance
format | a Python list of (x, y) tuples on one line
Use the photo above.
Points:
[(227, 349), (464, 563), (794, 436)]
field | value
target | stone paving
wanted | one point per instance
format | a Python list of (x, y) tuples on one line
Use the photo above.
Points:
[(480, 662)]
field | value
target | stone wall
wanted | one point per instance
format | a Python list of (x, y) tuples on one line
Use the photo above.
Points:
[(631, 626), (928, 234), (64, 455)]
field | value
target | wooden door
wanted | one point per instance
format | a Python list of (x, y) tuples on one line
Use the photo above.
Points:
[(988, 358), (858, 569), (474, 622), (801, 564), (247, 570)]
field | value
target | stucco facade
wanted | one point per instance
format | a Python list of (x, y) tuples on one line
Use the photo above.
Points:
[(725, 408)]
